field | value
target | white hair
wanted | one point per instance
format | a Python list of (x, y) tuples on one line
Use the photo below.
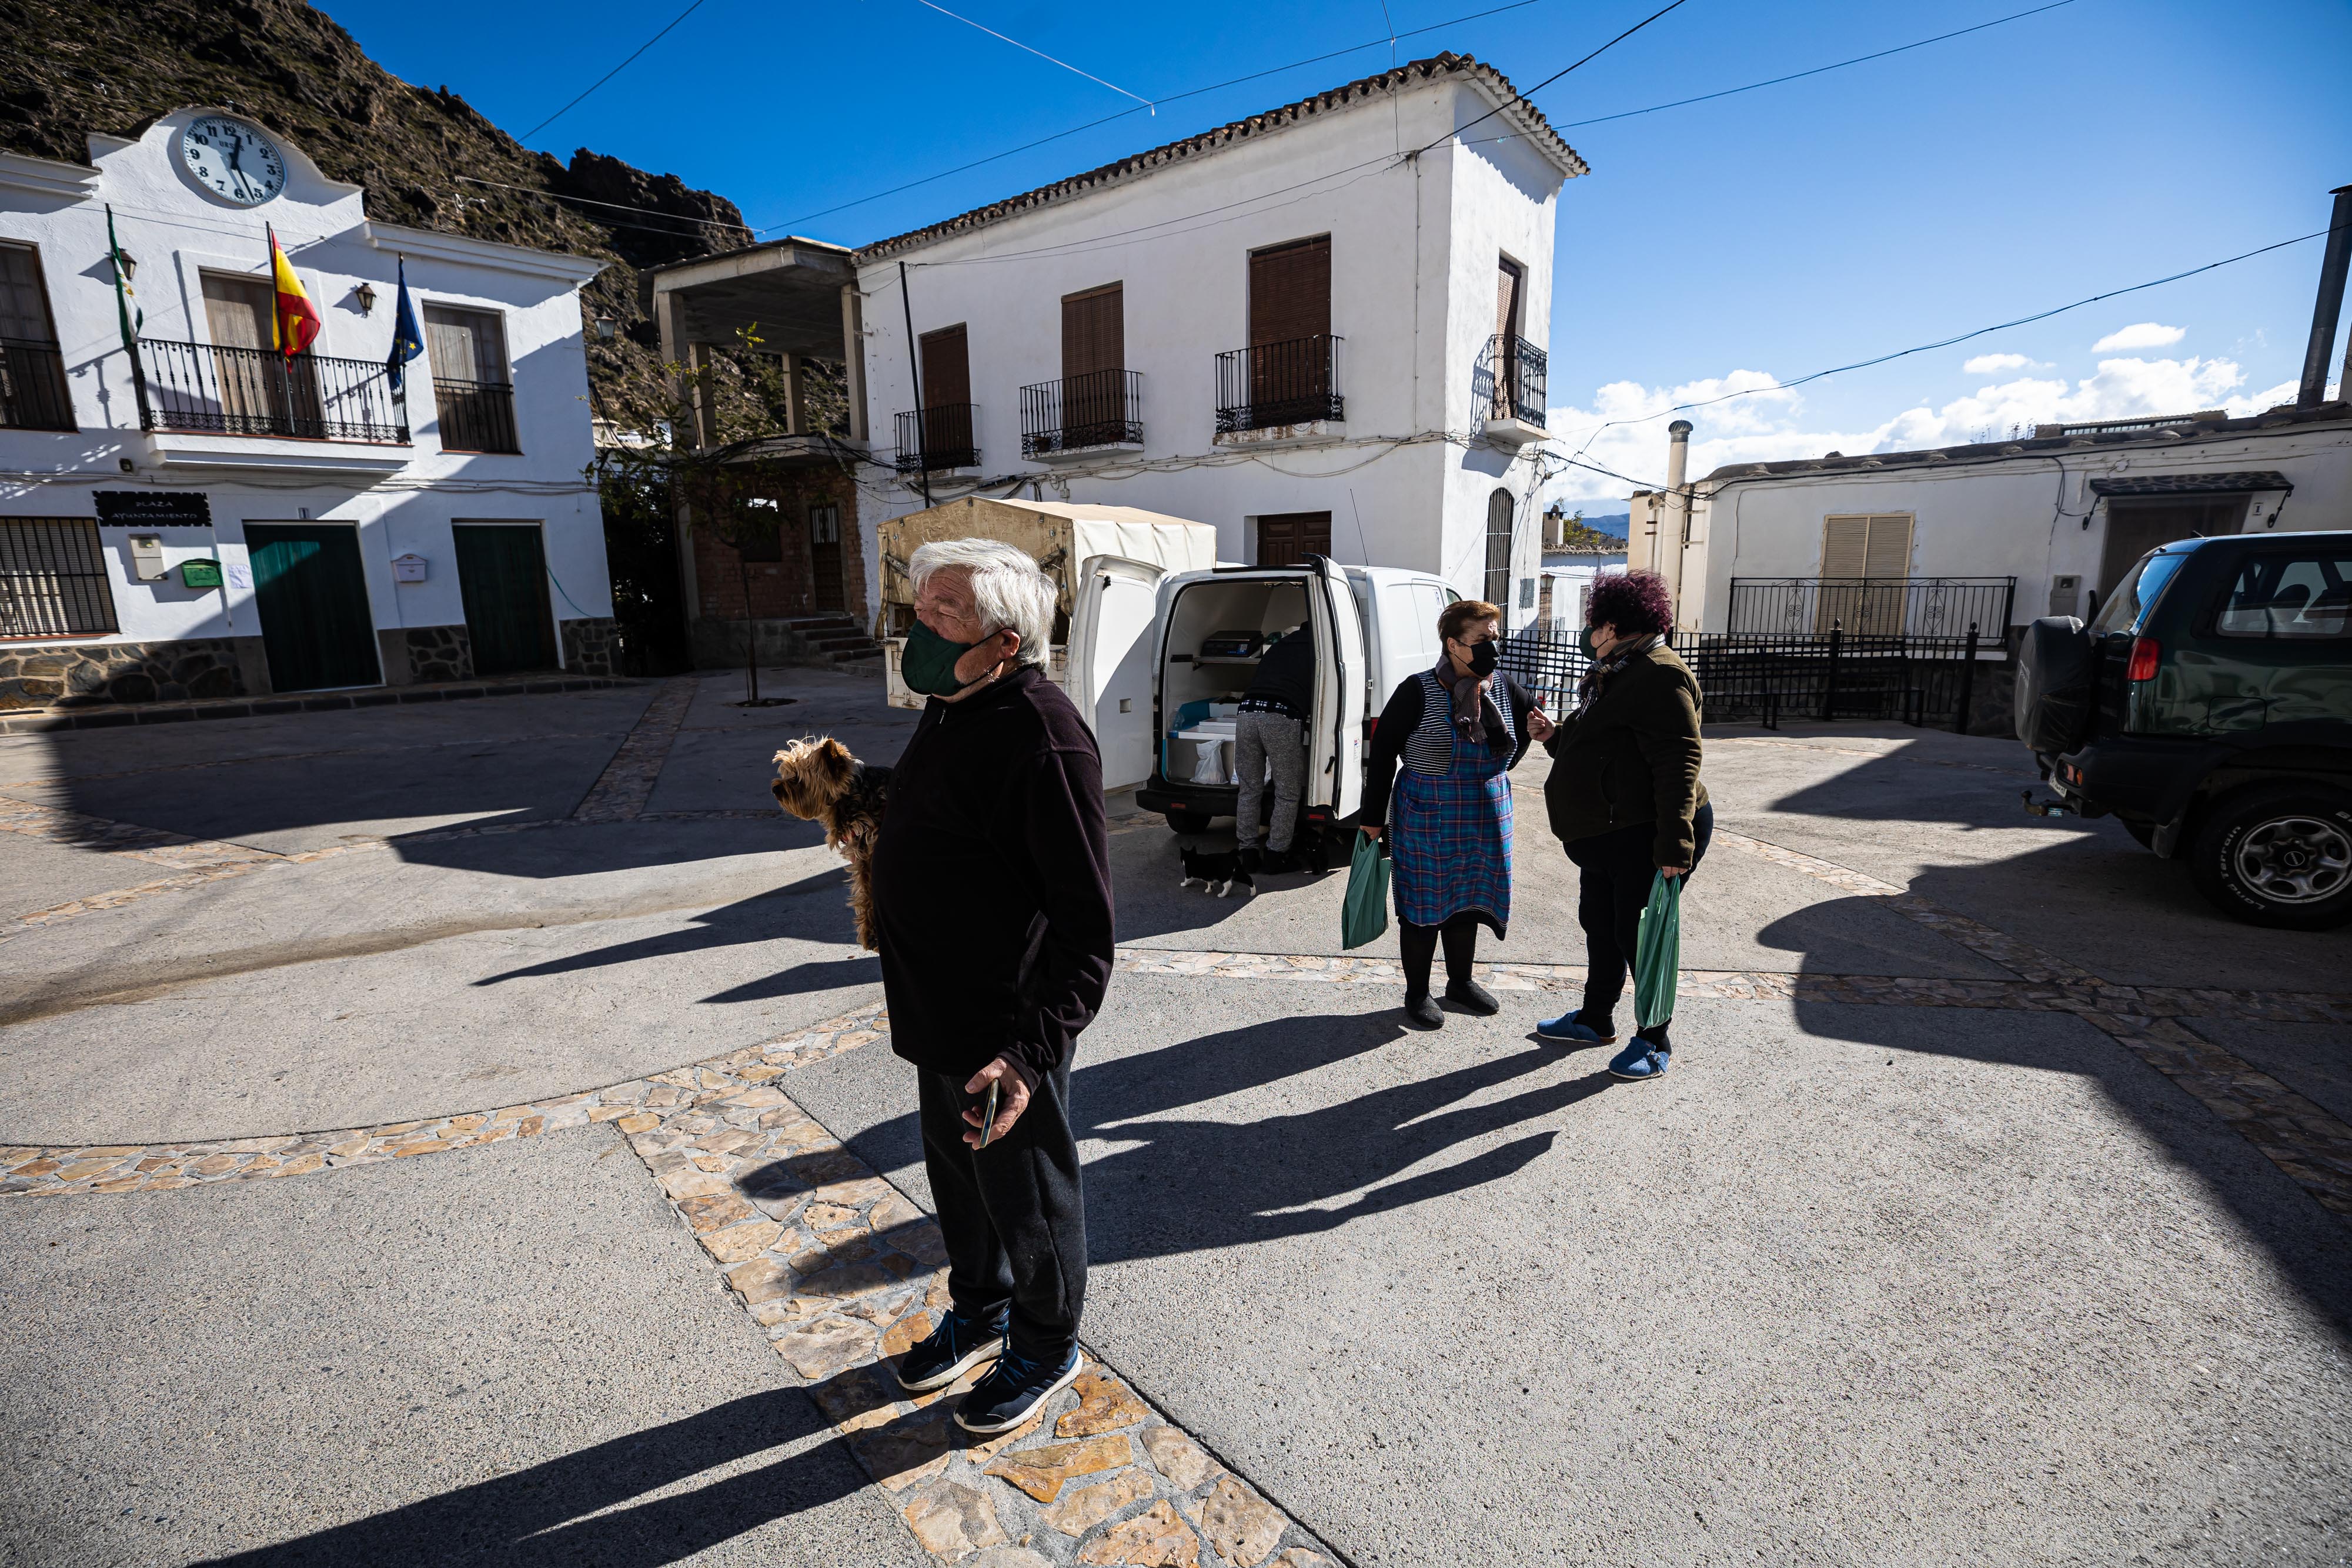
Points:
[(1008, 591)]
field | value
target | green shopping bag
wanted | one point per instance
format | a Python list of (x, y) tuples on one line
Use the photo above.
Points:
[(1365, 915), (1658, 952)]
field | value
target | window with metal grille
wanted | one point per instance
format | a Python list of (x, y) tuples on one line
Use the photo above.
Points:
[(53, 579), (1500, 508)]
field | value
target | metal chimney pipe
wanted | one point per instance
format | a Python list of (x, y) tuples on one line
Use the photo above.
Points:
[(1678, 437), (2322, 348)]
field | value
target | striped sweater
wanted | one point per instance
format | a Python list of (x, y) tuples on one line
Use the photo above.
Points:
[(1416, 728)]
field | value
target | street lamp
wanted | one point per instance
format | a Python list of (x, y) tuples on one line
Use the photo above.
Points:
[(366, 295), (606, 326), (128, 265)]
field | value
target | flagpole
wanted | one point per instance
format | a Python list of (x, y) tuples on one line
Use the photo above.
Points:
[(122, 314)]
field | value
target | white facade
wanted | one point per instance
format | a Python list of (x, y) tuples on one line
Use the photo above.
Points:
[(2044, 511), (1408, 474), (298, 458)]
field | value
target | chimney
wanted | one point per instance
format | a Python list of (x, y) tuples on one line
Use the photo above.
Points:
[(2322, 348), (1678, 433)]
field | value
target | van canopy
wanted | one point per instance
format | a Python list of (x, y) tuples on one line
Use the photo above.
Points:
[(1061, 536)]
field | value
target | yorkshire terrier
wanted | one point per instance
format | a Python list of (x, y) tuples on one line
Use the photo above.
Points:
[(818, 780)]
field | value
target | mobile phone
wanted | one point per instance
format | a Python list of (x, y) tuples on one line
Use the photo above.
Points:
[(988, 1113)]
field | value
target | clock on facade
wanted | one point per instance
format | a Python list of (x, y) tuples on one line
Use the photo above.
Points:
[(233, 161)]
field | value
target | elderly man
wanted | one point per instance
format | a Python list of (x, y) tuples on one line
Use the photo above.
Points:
[(993, 887)]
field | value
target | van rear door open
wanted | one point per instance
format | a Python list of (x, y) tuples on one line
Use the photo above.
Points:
[(1336, 759), (1114, 653)]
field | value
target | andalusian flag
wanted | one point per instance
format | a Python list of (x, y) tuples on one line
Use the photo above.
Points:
[(294, 322), (126, 303)]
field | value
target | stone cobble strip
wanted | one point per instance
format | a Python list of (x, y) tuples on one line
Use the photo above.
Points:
[(620, 793), (273, 757)]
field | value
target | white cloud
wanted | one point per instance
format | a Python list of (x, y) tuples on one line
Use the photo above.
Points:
[(2140, 335), (1991, 365)]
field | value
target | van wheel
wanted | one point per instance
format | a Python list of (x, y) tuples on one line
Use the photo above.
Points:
[(1184, 820), (2278, 856)]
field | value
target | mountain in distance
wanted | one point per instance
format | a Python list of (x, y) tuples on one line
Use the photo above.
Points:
[(73, 68), (1616, 525)]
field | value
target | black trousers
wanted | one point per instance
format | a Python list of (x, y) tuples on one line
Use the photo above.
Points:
[(1613, 872), (1014, 1215), (1417, 946)]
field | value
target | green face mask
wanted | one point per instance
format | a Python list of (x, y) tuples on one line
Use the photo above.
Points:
[(1586, 638), (928, 663)]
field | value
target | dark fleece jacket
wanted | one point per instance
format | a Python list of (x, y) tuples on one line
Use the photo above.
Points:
[(1631, 756), (991, 883)]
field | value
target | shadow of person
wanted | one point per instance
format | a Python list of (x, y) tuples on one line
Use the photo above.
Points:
[(565, 1511), (783, 912)]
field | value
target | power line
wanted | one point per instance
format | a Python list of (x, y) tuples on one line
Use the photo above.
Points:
[(1957, 337), (1522, 96), (1817, 70), (1040, 54), (608, 76), (616, 206)]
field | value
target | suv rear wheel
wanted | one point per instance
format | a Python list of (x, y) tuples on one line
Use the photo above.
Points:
[(2279, 856), (1184, 820)]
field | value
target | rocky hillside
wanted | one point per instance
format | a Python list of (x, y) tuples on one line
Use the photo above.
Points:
[(71, 66)]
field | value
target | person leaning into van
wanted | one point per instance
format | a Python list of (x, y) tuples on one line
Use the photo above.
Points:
[(1457, 730), (1270, 734), (1625, 800)]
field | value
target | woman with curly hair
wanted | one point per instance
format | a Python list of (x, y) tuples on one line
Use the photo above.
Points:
[(1458, 730), (1625, 800)]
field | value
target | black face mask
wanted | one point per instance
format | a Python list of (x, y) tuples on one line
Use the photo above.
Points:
[(1483, 659)]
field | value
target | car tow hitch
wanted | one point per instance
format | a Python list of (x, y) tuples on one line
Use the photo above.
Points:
[(2034, 808)]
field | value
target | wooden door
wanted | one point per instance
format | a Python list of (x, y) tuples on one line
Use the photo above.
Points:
[(502, 577), (261, 391), (947, 390), (1094, 366), (1506, 336), (1287, 538), (2135, 528), (1289, 310), (824, 557), (316, 629)]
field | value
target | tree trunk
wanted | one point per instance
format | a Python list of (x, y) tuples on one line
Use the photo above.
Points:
[(750, 632)]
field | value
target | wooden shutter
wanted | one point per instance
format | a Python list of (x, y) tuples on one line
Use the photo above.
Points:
[(1290, 292), (1094, 331), (465, 345), (1506, 299), (947, 367), (23, 303), (1888, 552), (1845, 543), (238, 309)]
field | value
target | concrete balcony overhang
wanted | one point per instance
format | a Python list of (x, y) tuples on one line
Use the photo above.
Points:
[(1312, 432), (1088, 453), (186, 451), (787, 292), (1509, 430), (801, 451)]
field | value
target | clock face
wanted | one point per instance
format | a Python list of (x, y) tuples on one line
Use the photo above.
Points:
[(233, 161)]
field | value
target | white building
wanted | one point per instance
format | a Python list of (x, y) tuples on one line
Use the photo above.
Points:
[(363, 536), (1297, 328), (2065, 513)]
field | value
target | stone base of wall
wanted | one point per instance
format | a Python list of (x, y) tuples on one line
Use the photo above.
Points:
[(438, 653), (718, 644), (85, 674), (590, 645)]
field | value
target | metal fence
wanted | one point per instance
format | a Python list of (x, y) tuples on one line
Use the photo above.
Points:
[(33, 393), (53, 579), (1900, 608), (1098, 409), (1510, 380), (1294, 382), (476, 417), (1548, 663), (259, 391)]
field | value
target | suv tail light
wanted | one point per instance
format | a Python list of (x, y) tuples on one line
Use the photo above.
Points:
[(2144, 656)]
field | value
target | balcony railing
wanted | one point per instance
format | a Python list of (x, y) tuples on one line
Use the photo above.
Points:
[(1296, 383), (259, 391), (1102, 408), (1508, 381), (33, 393), (476, 417), (930, 439)]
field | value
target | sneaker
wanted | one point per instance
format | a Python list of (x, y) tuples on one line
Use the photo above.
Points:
[(1640, 1061), (1420, 1012), (1472, 998), (1569, 1026), (1016, 1389), (948, 1351)]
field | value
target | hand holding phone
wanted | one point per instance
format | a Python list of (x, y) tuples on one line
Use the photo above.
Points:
[(988, 1113)]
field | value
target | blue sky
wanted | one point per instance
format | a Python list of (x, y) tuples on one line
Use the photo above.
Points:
[(1737, 243)]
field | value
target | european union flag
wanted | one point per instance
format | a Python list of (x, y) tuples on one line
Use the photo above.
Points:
[(407, 340)]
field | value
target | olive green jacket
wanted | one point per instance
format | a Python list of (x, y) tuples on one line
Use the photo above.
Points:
[(1631, 756)]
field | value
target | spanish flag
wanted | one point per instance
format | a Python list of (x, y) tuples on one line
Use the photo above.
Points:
[(294, 322)]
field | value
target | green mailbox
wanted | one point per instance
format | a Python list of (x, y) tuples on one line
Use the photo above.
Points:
[(200, 574)]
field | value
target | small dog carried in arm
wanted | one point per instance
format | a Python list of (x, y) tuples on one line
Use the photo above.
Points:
[(818, 780)]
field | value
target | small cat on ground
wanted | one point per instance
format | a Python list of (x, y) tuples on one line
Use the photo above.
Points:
[(1217, 872)]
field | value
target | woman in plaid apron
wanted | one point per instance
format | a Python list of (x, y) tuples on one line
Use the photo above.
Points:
[(1457, 730)]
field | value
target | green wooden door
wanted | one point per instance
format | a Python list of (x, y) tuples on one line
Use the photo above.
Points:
[(315, 624), (503, 575)]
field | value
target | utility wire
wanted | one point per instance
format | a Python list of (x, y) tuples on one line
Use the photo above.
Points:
[(1523, 95), (1817, 70), (616, 206), (1040, 54), (608, 76)]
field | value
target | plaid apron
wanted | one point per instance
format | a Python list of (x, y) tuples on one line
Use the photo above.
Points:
[(1450, 839)]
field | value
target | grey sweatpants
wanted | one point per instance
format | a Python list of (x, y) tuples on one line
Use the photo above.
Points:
[(1262, 740)]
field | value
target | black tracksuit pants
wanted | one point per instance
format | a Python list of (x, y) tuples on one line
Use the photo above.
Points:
[(1614, 870), (1013, 1213)]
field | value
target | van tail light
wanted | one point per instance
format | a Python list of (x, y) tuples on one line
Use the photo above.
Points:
[(2144, 656)]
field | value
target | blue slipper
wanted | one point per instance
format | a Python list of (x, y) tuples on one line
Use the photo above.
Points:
[(1567, 1027), (1640, 1061)]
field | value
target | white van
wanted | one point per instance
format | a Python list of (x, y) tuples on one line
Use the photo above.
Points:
[(1159, 659)]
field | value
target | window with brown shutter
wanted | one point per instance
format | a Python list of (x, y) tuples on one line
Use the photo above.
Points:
[(1860, 550), (1290, 291), (947, 368), (1094, 331)]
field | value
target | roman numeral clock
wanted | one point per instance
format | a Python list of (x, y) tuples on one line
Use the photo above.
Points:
[(233, 161)]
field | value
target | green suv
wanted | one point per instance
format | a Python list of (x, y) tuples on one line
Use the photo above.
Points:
[(2209, 709)]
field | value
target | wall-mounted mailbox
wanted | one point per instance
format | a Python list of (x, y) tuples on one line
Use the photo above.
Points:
[(147, 558), (200, 574), (408, 568), (2066, 594)]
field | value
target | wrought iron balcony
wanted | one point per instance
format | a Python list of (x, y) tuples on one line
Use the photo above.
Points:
[(930, 439), (1295, 382), (33, 393), (1102, 408), (1508, 381), (476, 417), (258, 391)]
